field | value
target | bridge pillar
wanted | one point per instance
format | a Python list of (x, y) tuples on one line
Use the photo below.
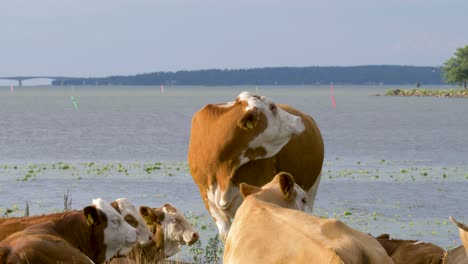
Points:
[(20, 82)]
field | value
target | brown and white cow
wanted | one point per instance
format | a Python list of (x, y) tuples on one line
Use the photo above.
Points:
[(250, 140), (411, 251), (128, 211), (458, 255), (92, 235), (171, 231), (263, 231)]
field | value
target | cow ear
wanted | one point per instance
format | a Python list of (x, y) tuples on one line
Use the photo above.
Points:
[(248, 120), (151, 215), (463, 229), (159, 215), (286, 181), (247, 189), (168, 208), (146, 213), (91, 214)]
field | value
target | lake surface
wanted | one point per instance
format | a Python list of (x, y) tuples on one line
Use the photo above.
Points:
[(134, 123), (397, 164)]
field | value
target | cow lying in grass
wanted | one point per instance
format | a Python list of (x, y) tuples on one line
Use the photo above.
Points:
[(411, 251), (170, 230), (264, 231), (128, 211), (92, 235)]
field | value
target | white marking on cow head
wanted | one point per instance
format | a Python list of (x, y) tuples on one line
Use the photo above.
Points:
[(131, 215), (177, 230), (282, 191), (281, 125), (119, 236)]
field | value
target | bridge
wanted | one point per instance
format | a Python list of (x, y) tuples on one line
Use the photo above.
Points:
[(20, 79)]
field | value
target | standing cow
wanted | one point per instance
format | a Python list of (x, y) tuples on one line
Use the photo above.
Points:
[(250, 140)]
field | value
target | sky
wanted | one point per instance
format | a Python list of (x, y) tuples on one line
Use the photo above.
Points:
[(97, 38)]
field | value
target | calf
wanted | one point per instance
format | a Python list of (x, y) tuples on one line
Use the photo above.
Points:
[(264, 231), (458, 255), (411, 251), (94, 234), (171, 231)]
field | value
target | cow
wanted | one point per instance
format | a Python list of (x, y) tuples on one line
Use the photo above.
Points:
[(411, 251), (132, 216), (250, 140), (264, 231), (171, 231), (458, 255), (128, 211), (92, 235)]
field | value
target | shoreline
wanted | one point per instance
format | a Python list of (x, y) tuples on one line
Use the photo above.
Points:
[(453, 93)]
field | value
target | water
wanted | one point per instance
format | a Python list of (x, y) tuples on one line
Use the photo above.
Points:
[(135, 123), (385, 158)]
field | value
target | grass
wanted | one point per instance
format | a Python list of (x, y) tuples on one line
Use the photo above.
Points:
[(428, 92)]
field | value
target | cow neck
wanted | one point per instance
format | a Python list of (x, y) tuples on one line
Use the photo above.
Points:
[(221, 150), (171, 247), (74, 228), (154, 251)]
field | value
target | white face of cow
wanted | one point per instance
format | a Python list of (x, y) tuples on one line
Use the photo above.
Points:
[(133, 217), (177, 230), (119, 236), (281, 125)]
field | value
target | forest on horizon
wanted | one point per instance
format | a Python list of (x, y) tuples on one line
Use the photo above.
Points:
[(316, 75)]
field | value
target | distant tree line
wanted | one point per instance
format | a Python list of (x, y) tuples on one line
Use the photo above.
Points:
[(381, 74)]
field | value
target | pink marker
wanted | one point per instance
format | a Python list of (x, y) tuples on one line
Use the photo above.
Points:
[(11, 88), (333, 101), (162, 88)]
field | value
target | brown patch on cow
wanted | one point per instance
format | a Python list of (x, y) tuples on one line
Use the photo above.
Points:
[(115, 205), (411, 251), (131, 220), (74, 231), (255, 153)]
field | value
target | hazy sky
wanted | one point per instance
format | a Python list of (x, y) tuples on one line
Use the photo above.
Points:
[(123, 37)]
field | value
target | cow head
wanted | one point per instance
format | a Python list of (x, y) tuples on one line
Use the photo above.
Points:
[(177, 230), (133, 217), (119, 236), (272, 126), (282, 191)]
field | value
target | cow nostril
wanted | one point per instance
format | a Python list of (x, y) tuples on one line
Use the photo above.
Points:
[(195, 236), (150, 238)]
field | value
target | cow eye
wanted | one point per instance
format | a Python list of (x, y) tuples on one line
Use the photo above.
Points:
[(304, 200), (273, 107)]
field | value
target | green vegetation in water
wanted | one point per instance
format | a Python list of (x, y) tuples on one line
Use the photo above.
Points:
[(428, 92)]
